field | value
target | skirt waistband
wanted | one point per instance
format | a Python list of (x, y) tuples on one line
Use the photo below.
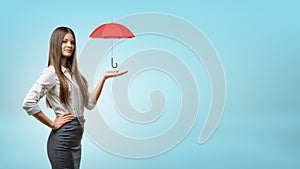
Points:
[(81, 120)]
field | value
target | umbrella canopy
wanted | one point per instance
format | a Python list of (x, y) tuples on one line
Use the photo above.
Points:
[(111, 30)]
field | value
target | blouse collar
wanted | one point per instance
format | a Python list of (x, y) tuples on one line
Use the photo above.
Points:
[(63, 69)]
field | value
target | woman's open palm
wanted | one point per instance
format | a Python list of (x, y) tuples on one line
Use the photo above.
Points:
[(113, 73)]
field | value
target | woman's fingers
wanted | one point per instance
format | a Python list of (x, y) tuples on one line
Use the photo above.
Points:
[(122, 73), (114, 73), (67, 115), (62, 119)]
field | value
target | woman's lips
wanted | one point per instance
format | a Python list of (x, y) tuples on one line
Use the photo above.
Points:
[(68, 50)]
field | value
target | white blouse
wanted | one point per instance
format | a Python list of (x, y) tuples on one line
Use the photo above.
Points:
[(48, 84)]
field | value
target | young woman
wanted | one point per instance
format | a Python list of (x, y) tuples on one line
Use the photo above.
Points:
[(67, 94)]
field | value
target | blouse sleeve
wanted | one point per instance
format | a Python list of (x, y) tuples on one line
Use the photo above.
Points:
[(42, 85), (89, 103)]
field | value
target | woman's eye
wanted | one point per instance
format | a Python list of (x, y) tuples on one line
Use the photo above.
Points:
[(66, 41)]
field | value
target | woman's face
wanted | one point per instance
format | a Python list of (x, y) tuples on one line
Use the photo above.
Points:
[(68, 45)]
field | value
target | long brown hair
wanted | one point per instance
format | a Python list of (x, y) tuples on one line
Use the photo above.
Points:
[(55, 54)]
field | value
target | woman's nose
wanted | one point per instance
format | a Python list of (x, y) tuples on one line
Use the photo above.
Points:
[(69, 44)]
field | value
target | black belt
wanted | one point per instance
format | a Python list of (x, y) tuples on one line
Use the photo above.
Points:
[(79, 119)]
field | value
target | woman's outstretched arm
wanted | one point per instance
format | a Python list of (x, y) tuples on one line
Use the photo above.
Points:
[(97, 91)]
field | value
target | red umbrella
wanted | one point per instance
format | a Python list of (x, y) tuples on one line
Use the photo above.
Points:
[(112, 30)]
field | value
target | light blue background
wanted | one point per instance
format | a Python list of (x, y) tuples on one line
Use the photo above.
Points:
[(258, 44)]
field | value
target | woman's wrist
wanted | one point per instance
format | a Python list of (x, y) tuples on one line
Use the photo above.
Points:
[(104, 77), (52, 125)]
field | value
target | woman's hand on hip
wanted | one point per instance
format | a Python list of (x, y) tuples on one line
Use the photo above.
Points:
[(62, 119)]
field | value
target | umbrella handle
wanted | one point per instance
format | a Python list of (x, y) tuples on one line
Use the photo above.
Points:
[(112, 63)]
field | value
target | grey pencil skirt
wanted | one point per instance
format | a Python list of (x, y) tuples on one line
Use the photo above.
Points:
[(64, 146)]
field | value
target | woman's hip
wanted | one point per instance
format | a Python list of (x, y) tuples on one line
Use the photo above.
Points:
[(68, 136)]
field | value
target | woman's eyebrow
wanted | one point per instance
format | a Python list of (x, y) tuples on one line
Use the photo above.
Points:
[(68, 39)]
